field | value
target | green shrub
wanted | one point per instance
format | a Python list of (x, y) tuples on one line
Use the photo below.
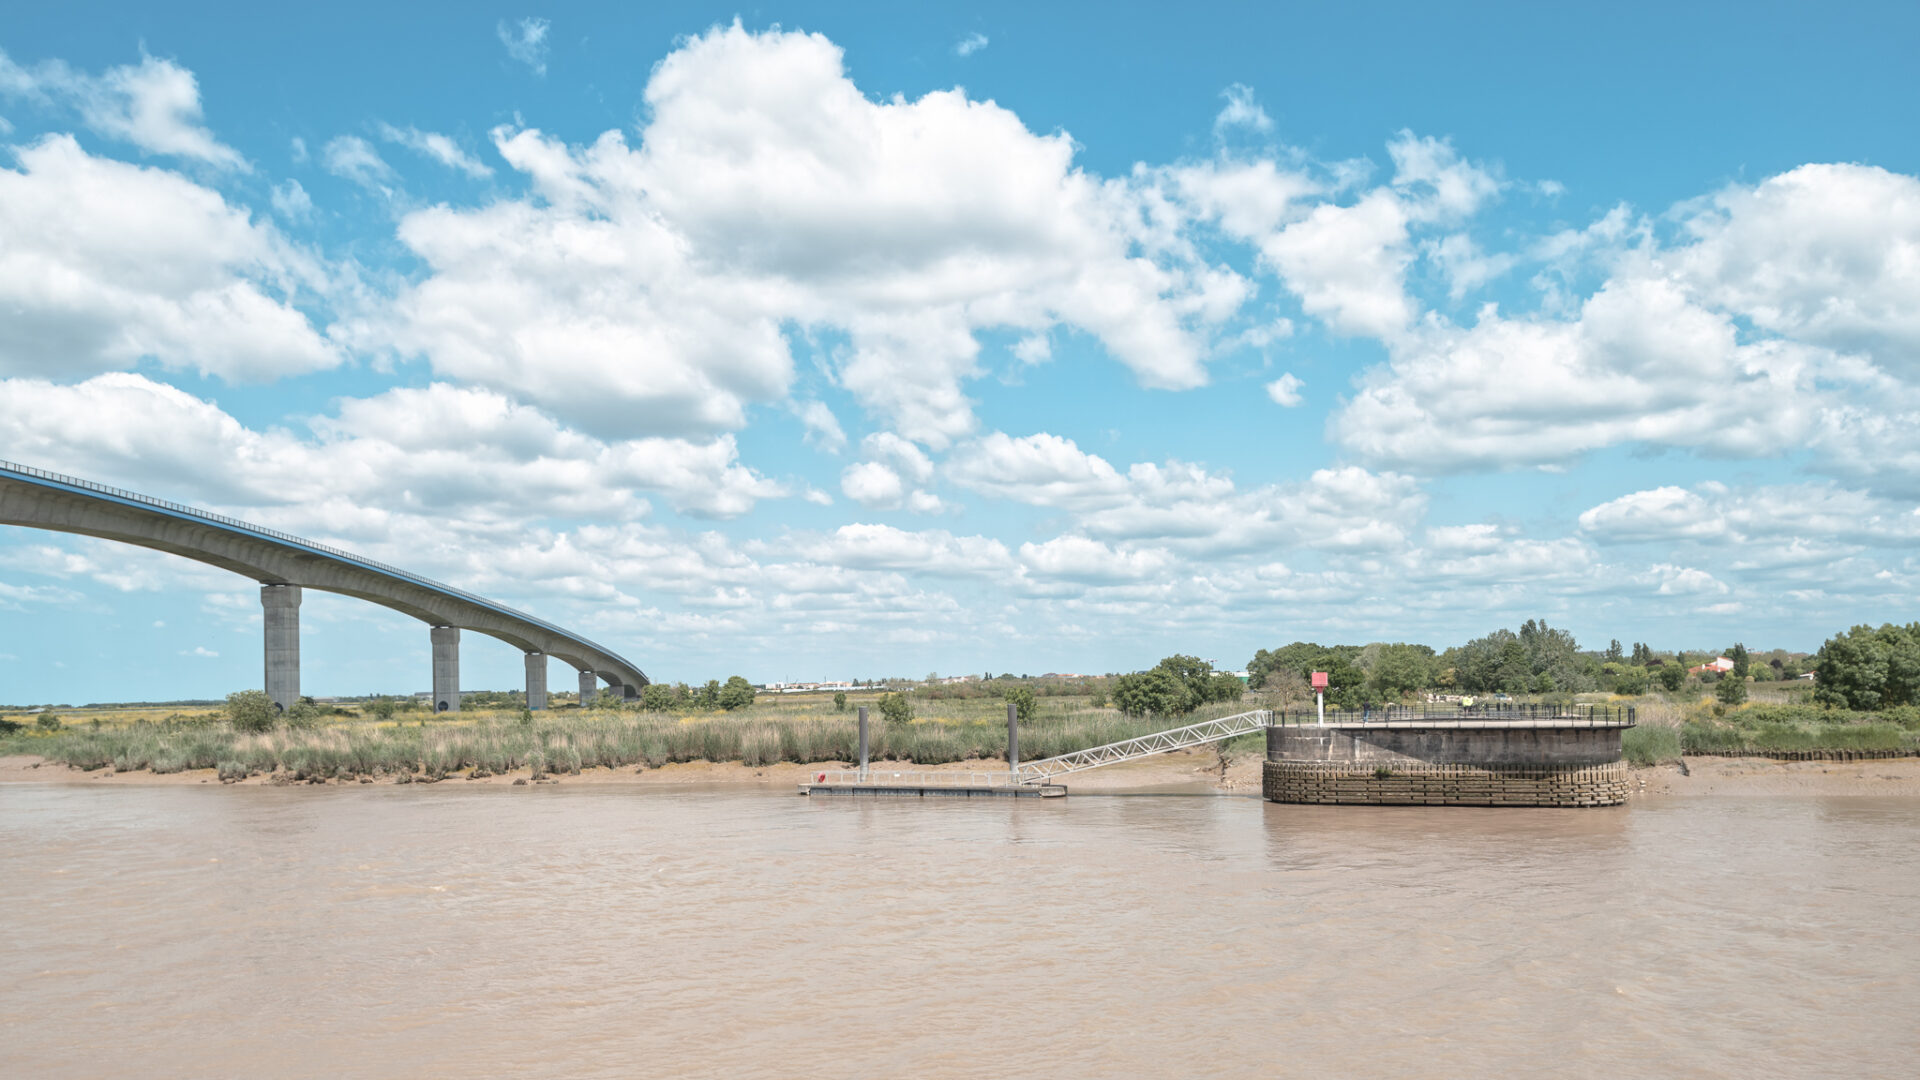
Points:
[(1021, 699), (1650, 745), (251, 710), (47, 721), (896, 709)]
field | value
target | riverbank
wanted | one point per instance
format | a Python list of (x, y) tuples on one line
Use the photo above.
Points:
[(1184, 772)]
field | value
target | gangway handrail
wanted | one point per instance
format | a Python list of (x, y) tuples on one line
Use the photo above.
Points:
[(1159, 742), (289, 538)]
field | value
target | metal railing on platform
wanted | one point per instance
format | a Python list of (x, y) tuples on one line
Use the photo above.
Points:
[(1490, 712), (914, 778)]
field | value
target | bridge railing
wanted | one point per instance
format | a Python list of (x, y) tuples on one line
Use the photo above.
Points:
[(1492, 712), (300, 541)]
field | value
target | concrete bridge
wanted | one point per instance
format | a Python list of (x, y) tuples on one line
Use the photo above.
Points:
[(285, 565)]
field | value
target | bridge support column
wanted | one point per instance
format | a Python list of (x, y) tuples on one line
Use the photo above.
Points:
[(536, 680), (446, 669), (589, 688), (280, 610)]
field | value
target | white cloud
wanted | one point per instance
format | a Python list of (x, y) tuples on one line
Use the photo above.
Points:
[(1775, 323), (822, 428), (884, 547), (155, 105), (1640, 364), (434, 454), (107, 264), (1077, 558), (1826, 254), (1040, 469), (970, 44), (526, 41), (872, 484), (1285, 390), (291, 201), (1760, 516), (650, 284), (1241, 111), (351, 157), (1671, 580), (440, 148)]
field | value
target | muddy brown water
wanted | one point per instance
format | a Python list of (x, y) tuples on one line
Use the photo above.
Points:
[(723, 932)]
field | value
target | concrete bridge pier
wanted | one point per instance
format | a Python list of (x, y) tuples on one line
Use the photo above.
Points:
[(446, 669), (280, 610), (589, 688), (536, 680)]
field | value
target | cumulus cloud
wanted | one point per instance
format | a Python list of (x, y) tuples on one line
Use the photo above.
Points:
[(650, 284), (107, 264), (155, 105), (428, 453), (1771, 324), (1715, 513), (1285, 390), (1078, 558)]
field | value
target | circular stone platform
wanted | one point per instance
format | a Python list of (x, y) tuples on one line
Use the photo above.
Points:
[(1481, 761)]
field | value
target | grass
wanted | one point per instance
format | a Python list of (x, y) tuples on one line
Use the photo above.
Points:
[(1668, 729), (568, 741), (808, 730)]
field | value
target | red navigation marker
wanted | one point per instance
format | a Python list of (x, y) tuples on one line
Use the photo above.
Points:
[(1319, 680)]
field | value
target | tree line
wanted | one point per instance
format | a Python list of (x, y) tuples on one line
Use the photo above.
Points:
[(1535, 659)]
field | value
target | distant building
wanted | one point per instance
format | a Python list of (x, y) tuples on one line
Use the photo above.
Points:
[(1719, 666)]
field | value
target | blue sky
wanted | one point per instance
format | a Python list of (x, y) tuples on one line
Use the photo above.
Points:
[(843, 341)]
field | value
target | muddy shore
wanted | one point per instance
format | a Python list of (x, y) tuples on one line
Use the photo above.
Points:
[(1186, 772)]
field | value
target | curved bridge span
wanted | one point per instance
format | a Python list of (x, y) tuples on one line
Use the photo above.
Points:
[(285, 565)]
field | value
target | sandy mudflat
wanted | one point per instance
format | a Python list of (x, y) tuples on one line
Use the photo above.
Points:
[(1187, 772), (1720, 776)]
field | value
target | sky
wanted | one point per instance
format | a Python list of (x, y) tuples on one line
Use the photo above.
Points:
[(810, 341)]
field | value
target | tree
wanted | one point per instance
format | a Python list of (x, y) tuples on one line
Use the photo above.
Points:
[(1400, 669), (381, 708), (1614, 655), (1870, 669), (1021, 698), (1155, 692), (737, 694), (657, 697), (1671, 676), (897, 710), (709, 695), (1630, 680), (840, 702), (251, 710), (1742, 663), (1731, 691)]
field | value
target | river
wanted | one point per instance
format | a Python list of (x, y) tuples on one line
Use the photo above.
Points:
[(581, 931)]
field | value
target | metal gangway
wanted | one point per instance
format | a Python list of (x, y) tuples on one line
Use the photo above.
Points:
[(1207, 731)]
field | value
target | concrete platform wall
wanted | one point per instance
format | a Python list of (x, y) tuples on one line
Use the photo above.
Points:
[(1489, 745), (1423, 784)]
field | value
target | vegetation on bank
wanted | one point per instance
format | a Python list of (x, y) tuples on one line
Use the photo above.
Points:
[(564, 742), (1666, 732)]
